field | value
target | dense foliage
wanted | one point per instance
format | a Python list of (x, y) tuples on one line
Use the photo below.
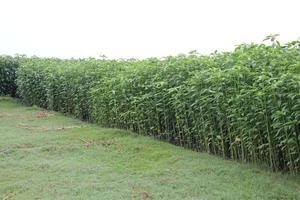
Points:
[(8, 67), (242, 105)]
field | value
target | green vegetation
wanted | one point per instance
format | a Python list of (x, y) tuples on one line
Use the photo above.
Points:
[(242, 105), (8, 67), (45, 155)]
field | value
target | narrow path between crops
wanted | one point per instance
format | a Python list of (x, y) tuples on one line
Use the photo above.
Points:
[(45, 155)]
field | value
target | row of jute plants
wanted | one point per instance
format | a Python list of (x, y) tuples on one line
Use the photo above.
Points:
[(8, 68), (242, 105)]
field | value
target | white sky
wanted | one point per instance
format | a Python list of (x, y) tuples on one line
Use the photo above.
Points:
[(141, 28)]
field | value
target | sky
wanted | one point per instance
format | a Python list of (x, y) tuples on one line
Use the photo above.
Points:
[(141, 28)]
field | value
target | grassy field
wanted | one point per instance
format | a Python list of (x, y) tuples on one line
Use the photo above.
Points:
[(45, 155)]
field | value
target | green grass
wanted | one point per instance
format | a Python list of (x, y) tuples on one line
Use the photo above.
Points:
[(45, 155)]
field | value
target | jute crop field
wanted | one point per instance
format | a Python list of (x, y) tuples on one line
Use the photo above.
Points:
[(46, 155), (242, 105)]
